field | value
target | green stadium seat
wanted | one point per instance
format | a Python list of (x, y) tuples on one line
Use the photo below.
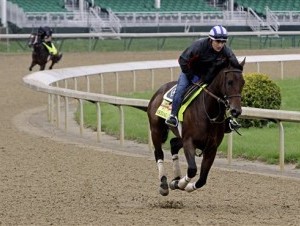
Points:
[(145, 6), (40, 6), (275, 5)]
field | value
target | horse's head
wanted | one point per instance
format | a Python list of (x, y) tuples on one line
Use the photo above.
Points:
[(230, 85), (31, 39)]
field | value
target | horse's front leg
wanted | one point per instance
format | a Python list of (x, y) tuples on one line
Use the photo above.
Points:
[(207, 161), (42, 67), (189, 151), (51, 66), (159, 158), (163, 187)]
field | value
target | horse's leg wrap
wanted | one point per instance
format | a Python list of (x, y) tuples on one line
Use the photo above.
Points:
[(190, 187), (176, 167), (183, 182), (161, 168), (163, 187)]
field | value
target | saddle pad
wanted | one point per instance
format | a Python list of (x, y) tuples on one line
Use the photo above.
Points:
[(164, 110), (51, 49), (170, 94)]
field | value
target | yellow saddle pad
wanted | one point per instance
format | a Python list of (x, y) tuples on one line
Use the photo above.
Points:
[(52, 49), (164, 110)]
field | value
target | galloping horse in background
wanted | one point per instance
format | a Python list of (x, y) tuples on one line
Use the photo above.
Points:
[(203, 128), (41, 55)]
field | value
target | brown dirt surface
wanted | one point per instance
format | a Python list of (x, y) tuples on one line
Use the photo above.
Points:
[(47, 180)]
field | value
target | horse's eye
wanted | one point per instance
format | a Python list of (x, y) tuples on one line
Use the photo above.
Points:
[(230, 83)]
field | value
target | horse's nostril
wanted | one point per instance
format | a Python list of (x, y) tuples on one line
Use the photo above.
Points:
[(235, 113)]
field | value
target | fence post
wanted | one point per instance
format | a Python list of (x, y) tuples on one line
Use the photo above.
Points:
[(229, 148), (117, 82), (98, 122), (66, 113), (121, 109), (81, 116), (281, 146), (134, 81)]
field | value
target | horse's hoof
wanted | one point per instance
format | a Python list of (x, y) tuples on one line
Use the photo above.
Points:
[(164, 188), (174, 184), (163, 192)]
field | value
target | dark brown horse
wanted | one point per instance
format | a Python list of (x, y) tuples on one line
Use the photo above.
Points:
[(203, 128), (41, 55)]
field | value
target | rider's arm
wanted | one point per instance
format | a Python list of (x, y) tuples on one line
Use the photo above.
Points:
[(189, 57)]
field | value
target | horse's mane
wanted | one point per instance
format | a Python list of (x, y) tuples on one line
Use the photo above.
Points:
[(215, 70)]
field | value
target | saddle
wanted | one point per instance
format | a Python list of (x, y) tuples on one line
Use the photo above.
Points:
[(164, 110)]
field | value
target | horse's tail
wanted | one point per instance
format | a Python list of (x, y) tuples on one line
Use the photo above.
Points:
[(165, 129), (137, 107), (145, 109)]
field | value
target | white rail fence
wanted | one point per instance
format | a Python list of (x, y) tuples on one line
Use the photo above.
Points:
[(56, 83), (151, 35)]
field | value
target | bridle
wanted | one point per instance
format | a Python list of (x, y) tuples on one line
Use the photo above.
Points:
[(221, 100)]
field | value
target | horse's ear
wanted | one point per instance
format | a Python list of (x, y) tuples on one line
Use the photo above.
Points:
[(243, 62)]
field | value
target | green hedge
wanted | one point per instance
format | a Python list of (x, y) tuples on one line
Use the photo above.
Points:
[(259, 92)]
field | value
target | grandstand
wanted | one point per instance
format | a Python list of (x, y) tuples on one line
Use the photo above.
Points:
[(259, 6), (40, 6), (119, 6), (145, 16)]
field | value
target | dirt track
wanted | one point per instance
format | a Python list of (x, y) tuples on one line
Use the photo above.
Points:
[(45, 182)]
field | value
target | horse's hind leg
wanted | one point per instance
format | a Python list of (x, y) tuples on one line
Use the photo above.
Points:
[(163, 187), (159, 136), (176, 145)]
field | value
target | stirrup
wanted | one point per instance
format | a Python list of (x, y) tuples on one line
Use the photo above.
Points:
[(172, 121)]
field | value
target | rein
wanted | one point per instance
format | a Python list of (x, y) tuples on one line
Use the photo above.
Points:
[(219, 99), (223, 100)]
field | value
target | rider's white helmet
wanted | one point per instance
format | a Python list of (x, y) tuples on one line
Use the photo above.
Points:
[(218, 33)]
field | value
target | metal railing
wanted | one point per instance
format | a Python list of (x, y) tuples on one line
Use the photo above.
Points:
[(49, 82)]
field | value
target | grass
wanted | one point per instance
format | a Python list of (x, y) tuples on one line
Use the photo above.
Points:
[(254, 144)]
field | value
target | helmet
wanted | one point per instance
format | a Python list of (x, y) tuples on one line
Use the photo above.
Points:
[(48, 31), (218, 33)]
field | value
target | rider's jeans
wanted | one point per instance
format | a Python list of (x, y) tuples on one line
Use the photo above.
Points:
[(182, 84)]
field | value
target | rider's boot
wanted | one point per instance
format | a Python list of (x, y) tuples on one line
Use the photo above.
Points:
[(172, 121)]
